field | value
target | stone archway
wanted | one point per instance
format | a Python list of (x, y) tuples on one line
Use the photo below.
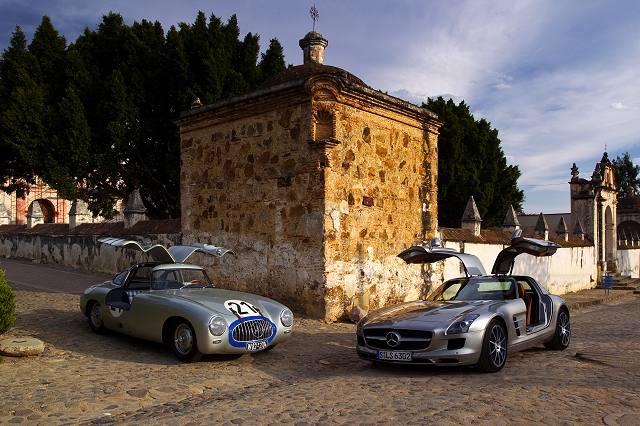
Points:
[(48, 210), (627, 229)]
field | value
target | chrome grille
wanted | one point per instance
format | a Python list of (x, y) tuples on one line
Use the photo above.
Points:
[(251, 330), (411, 340)]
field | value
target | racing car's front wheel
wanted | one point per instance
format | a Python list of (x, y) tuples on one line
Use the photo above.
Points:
[(494, 348), (184, 343), (95, 318)]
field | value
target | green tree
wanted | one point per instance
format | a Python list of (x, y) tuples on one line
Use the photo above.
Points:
[(471, 162), (626, 174), (272, 60), (95, 118), (22, 107)]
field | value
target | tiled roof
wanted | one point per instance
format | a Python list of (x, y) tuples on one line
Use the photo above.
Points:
[(503, 237)]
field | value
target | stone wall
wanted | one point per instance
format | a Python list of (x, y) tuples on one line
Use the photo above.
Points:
[(253, 185), (381, 196), (317, 185)]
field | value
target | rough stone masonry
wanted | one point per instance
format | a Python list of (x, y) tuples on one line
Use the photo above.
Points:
[(317, 182)]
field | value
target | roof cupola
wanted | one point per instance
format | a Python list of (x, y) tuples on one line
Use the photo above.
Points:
[(313, 45)]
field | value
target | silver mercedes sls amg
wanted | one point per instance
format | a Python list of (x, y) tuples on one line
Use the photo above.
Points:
[(474, 320), (168, 301)]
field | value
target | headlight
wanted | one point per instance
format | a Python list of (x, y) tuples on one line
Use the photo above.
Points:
[(462, 324), (217, 325), (286, 318)]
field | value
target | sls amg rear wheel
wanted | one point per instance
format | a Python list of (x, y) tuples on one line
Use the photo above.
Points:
[(494, 348), (184, 343), (95, 318), (562, 335)]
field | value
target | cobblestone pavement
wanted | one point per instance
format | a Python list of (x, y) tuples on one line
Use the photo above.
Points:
[(313, 379)]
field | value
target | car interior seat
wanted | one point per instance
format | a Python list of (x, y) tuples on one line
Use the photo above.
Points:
[(527, 301)]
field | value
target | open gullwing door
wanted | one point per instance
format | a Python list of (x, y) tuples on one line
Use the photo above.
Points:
[(435, 253), (534, 247), (173, 254)]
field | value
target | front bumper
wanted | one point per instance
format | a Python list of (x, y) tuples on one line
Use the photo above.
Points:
[(440, 351)]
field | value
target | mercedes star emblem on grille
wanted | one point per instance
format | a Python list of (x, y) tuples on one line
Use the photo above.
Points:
[(393, 339)]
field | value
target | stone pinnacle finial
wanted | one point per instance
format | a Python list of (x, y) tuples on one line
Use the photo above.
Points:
[(511, 222), (561, 230), (542, 228), (471, 218), (134, 211), (313, 45), (34, 215), (578, 231), (4, 214)]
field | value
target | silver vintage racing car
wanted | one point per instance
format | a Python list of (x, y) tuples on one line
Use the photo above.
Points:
[(474, 320), (171, 302)]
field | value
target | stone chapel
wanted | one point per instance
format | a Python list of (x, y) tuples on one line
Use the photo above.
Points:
[(317, 182)]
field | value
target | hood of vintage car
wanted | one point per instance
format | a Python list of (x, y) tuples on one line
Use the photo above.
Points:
[(229, 302), (425, 311)]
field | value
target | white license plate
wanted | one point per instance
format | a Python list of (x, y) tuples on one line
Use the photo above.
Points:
[(256, 346), (394, 355)]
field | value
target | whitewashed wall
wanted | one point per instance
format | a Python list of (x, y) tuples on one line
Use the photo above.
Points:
[(570, 269), (629, 262), (77, 251)]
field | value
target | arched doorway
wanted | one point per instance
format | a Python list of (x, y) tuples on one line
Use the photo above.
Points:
[(609, 239), (628, 229), (48, 210)]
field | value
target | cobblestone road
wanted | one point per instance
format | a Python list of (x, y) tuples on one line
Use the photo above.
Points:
[(313, 379)]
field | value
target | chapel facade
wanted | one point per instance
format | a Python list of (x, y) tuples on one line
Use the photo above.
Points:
[(594, 208), (317, 182)]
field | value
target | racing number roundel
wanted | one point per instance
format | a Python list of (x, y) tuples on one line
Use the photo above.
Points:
[(241, 308)]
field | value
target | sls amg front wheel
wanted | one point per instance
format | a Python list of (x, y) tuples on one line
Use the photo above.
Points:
[(562, 335), (184, 343), (494, 348), (95, 318)]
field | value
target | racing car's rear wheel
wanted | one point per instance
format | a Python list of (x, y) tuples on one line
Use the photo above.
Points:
[(184, 343), (95, 318), (562, 335), (494, 348)]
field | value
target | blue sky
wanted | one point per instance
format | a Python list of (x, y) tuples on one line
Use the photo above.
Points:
[(559, 80)]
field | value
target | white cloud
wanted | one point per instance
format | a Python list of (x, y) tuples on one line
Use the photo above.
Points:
[(618, 105)]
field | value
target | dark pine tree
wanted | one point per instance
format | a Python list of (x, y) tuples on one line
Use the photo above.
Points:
[(472, 163)]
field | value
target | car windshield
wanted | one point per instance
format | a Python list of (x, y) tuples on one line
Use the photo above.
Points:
[(477, 288), (166, 279)]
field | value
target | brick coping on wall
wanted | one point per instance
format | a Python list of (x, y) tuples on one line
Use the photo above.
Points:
[(164, 226), (503, 237)]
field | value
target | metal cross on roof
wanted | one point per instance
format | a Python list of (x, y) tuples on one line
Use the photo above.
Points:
[(314, 15)]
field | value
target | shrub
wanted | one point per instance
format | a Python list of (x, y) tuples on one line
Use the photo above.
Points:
[(7, 305)]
